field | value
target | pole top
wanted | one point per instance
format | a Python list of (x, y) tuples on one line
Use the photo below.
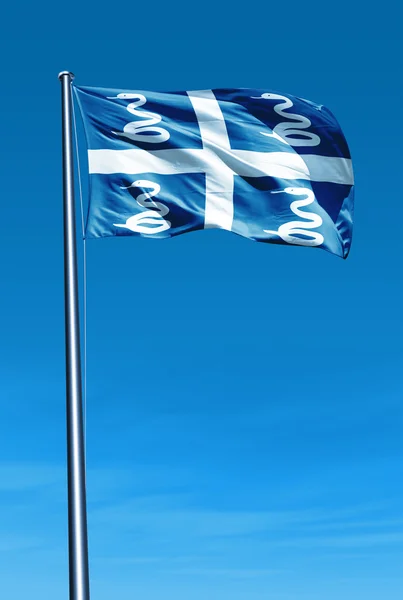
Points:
[(68, 73)]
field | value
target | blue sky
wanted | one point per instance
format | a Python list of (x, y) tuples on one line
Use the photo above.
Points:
[(244, 407)]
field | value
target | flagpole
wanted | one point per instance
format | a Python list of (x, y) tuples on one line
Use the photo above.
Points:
[(77, 509)]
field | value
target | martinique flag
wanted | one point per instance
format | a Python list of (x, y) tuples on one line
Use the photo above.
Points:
[(270, 167)]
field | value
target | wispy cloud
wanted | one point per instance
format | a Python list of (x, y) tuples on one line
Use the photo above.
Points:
[(227, 573), (110, 482), (345, 541), (154, 523), (147, 513), (162, 512), (18, 477), (17, 543)]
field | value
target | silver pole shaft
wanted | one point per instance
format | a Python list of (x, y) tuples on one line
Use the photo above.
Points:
[(78, 538)]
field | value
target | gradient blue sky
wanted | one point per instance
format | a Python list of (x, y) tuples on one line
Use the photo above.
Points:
[(244, 400)]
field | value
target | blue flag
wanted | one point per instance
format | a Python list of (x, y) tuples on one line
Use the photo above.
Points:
[(270, 167)]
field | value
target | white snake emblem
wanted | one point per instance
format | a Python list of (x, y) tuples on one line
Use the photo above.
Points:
[(288, 231), (286, 131), (141, 131), (141, 222)]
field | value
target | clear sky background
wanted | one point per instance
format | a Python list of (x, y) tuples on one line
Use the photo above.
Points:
[(244, 417)]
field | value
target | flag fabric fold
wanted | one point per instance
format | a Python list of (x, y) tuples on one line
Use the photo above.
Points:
[(268, 166)]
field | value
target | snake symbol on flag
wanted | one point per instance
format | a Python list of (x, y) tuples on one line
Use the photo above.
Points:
[(141, 222)]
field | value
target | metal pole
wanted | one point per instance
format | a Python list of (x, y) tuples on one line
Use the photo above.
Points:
[(78, 539)]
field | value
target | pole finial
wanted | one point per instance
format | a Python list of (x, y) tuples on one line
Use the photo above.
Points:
[(63, 73)]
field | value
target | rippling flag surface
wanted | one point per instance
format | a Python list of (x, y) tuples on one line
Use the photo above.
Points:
[(270, 167)]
